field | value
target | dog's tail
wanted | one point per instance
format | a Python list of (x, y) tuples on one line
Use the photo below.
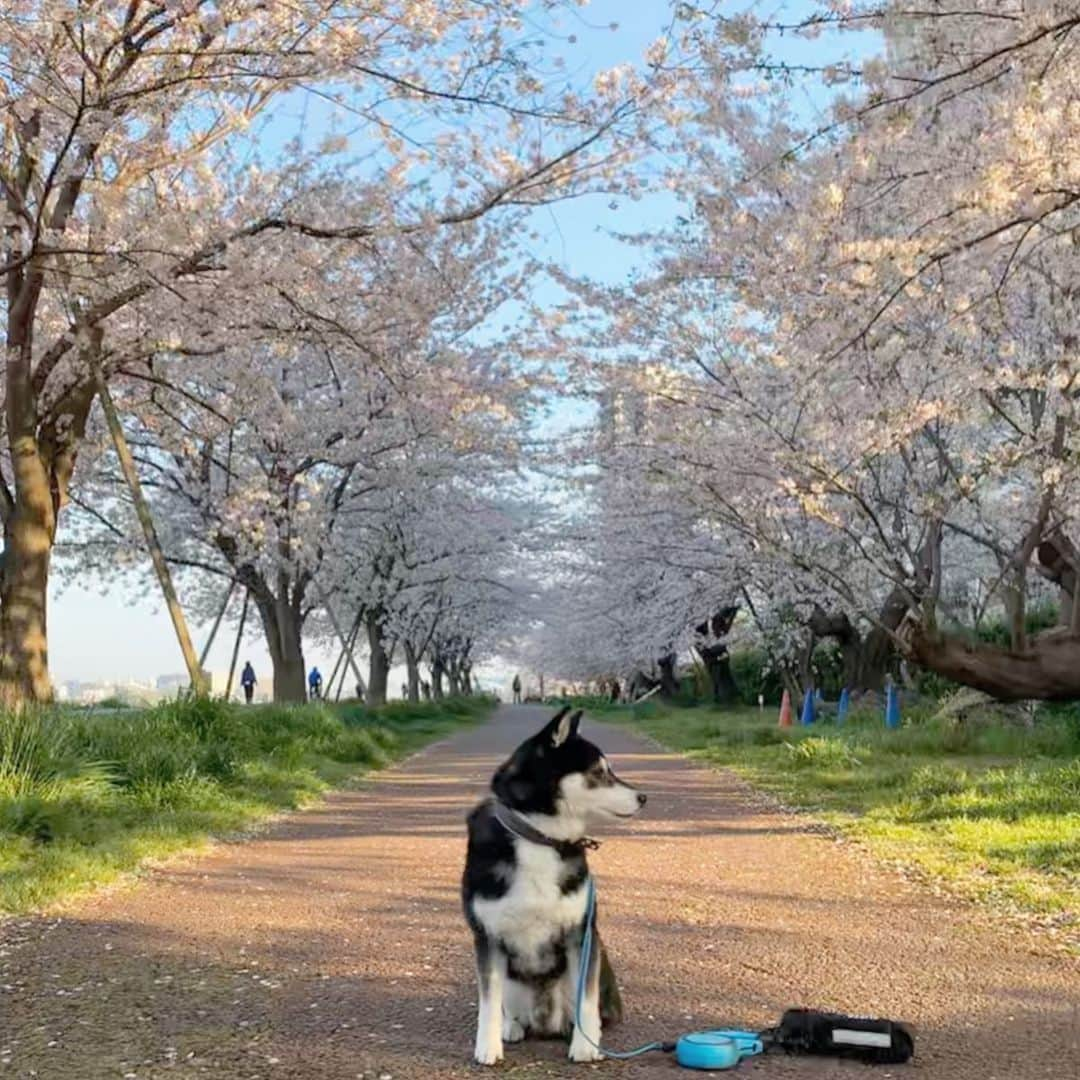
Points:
[(611, 1006)]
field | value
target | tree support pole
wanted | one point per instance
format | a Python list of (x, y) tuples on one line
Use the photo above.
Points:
[(217, 623), (236, 646), (334, 671), (157, 556), (341, 656), (352, 648), (343, 639)]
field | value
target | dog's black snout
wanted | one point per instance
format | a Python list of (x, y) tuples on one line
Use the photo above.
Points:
[(642, 799)]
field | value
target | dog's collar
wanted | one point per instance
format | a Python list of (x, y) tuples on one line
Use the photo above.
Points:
[(516, 823)]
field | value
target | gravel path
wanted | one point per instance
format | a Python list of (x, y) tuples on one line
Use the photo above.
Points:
[(333, 947)]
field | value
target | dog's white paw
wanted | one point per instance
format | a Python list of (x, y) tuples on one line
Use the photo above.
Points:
[(513, 1031), (488, 1054), (582, 1051)]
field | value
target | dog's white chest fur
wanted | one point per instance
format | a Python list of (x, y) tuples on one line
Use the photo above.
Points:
[(534, 912)]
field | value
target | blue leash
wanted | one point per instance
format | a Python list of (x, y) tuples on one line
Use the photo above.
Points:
[(583, 975), (700, 1050)]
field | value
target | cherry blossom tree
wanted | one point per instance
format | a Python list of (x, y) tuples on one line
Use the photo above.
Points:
[(277, 445), (858, 346), (904, 287), (130, 170), (453, 588), (634, 579)]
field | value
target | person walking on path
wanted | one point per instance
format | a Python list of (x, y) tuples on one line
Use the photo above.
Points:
[(314, 682), (247, 681), (516, 685)]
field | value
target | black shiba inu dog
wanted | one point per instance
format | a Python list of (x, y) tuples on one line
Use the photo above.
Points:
[(525, 891)]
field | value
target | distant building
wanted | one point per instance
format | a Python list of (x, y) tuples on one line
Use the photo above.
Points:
[(129, 692), (164, 687)]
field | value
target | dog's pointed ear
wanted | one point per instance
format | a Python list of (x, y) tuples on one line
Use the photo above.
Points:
[(575, 721), (558, 728)]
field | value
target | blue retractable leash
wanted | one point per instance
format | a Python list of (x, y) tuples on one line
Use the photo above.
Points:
[(699, 1050)]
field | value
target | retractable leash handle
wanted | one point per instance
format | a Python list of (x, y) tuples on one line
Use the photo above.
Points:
[(722, 1049)]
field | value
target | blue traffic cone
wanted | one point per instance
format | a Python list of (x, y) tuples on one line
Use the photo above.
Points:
[(808, 709), (892, 707), (843, 706)]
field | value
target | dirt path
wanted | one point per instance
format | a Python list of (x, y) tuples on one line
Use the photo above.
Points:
[(333, 948)]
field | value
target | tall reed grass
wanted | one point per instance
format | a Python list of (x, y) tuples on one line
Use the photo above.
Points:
[(85, 796)]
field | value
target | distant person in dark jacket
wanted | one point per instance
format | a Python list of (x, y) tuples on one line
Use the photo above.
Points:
[(247, 681), (516, 687)]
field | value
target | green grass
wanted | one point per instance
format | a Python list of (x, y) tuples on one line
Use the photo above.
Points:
[(86, 797), (989, 809)]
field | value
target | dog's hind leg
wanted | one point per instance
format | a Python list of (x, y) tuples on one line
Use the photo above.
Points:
[(517, 1010), (491, 974), (586, 1038)]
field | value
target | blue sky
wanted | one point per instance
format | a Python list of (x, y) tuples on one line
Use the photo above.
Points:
[(114, 636)]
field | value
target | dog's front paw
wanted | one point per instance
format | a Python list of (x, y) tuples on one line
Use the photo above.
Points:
[(489, 1051), (513, 1031), (582, 1050)]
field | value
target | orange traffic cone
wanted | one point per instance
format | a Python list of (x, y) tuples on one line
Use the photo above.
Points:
[(785, 710)]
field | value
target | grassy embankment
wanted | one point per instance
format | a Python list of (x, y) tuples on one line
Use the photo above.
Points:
[(990, 810), (86, 797)]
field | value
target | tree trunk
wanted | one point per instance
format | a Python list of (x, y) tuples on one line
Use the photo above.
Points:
[(1015, 602), (379, 664), (805, 666), (876, 655), (866, 662), (281, 627), (43, 437), (840, 628), (28, 542), (43, 455), (1058, 561), (1048, 670), (789, 679), (669, 683), (639, 684), (290, 683), (438, 669), (717, 662), (412, 668), (714, 654)]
